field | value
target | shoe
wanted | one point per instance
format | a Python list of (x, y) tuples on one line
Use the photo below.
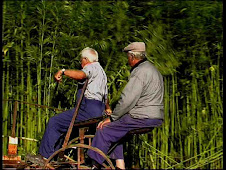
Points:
[(36, 159), (95, 165)]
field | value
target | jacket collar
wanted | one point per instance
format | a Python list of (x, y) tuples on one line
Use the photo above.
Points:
[(137, 64)]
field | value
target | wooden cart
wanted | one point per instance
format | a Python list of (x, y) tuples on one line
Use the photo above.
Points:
[(73, 155)]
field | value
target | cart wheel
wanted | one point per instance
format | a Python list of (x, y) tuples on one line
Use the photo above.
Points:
[(70, 162)]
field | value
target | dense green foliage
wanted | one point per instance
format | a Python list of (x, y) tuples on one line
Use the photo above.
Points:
[(184, 41)]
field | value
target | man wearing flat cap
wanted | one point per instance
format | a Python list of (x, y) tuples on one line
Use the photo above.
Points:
[(140, 105)]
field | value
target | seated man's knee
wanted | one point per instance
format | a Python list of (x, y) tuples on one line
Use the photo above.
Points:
[(101, 133)]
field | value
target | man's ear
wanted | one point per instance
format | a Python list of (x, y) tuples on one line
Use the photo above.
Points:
[(132, 56), (87, 60)]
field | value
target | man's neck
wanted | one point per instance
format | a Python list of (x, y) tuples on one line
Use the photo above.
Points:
[(137, 63), (87, 64)]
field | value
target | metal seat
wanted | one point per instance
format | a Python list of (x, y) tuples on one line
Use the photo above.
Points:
[(89, 121), (132, 132), (140, 131)]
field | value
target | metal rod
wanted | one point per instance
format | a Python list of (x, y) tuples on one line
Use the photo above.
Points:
[(38, 105), (74, 116)]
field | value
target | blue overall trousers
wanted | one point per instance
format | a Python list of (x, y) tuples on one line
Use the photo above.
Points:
[(114, 131), (60, 123)]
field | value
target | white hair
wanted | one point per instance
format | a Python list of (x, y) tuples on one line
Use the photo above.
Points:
[(89, 53), (138, 54)]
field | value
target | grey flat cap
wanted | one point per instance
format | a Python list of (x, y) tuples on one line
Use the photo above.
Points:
[(135, 46)]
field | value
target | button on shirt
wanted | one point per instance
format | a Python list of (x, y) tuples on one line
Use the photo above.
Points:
[(97, 84)]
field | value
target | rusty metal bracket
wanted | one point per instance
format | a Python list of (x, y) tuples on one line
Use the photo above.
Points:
[(61, 155)]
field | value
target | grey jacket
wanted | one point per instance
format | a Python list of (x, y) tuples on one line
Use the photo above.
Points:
[(142, 97)]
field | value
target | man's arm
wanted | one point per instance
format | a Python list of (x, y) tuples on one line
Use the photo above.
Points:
[(74, 74), (108, 110), (129, 97)]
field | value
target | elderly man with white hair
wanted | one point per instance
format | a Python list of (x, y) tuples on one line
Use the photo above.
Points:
[(140, 106), (92, 105)]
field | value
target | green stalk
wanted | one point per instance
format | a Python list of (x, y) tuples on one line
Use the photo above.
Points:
[(6, 108), (159, 144), (29, 112), (219, 95), (154, 145), (19, 123), (165, 135), (179, 123), (172, 115), (50, 78), (53, 54), (218, 84), (188, 141), (212, 101), (206, 109), (21, 61), (199, 117), (39, 69), (194, 109), (45, 98), (109, 61)]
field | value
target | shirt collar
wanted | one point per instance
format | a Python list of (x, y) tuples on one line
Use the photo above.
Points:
[(91, 63)]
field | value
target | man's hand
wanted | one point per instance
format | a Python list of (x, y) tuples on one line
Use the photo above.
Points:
[(58, 76), (108, 111), (103, 123)]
